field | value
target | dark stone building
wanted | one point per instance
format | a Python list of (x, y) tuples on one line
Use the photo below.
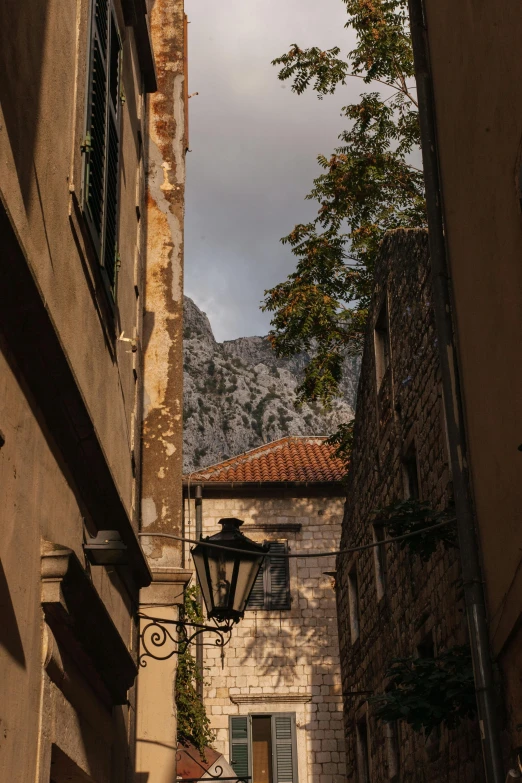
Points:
[(390, 602)]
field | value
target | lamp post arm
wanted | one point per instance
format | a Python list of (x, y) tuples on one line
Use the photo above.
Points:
[(162, 638)]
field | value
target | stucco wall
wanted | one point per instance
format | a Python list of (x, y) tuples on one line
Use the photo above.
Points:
[(37, 503), (44, 59), (420, 600), (53, 709), (292, 653), (477, 74)]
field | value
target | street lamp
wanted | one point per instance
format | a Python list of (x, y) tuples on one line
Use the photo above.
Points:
[(227, 565), (226, 577)]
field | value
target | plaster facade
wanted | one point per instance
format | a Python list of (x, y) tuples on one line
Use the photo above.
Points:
[(71, 389), (390, 603), (475, 74), (284, 661)]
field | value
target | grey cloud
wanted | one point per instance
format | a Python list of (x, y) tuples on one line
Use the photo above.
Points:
[(254, 147)]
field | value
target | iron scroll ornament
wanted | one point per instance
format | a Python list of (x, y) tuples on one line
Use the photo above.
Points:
[(158, 633), (216, 775)]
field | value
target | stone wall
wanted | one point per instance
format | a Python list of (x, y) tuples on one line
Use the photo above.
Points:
[(419, 604), (284, 661)]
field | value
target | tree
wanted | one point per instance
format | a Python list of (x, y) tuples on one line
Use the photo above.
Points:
[(368, 187)]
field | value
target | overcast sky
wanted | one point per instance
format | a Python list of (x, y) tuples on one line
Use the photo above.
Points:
[(253, 146)]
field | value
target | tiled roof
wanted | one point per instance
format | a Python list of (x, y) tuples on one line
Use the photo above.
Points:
[(294, 459)]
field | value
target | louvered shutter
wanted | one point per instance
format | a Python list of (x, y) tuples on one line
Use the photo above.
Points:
[(257, 596), (110, 245), (278, 581), (102, 142), (96, 139), (284, 749), (240, 745)]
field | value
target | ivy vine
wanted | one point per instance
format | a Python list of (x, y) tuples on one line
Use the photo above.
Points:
[(428, 692), (193, 721), (413, 516)]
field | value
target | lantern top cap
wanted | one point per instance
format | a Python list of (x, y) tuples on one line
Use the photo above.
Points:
[(231, 534), (230, 523)]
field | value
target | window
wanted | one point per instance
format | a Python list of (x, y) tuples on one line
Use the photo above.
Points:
[(363, 751), (379, 560), (391, 738), (101, 146), (353, 603), (382, 344), (264, 746), (426, 649), (271, 589), (411, 474)]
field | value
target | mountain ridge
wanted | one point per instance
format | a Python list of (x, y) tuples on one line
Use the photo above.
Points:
[(239, 395)]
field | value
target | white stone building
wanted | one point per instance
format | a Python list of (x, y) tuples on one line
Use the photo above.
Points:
[(274, 694)]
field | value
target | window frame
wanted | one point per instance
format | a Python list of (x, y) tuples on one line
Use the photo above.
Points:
[(354, 608), (380, 562), (266, 575), (410, 472), (382, 343), (248, 741), (363, 749)]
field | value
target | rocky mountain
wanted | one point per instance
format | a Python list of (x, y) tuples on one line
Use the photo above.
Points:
[(239, 395)]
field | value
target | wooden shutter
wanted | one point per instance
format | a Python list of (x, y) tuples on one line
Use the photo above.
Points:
[(240, 745), (278, 582), (284, 749), (96, 138), (257, 596), (102, 142), (110, 245)]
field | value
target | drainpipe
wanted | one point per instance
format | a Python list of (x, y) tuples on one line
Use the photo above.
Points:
[(468, 543), (198, 495)]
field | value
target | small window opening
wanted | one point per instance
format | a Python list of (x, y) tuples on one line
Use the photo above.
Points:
[(363, 751), (379, 560), (426, 649), (391, 738), (353, 604), (411, 474), (382, 344)]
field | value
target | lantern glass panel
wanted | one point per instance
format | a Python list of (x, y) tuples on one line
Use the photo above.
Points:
[(221, 568), (248, 570), (199, 563)]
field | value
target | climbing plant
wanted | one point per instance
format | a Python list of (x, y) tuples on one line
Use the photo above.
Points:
[(414, 516), (369, 184), (193, 721), (429, 692)]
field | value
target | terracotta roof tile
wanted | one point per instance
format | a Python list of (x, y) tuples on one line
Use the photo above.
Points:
[(293, 459)]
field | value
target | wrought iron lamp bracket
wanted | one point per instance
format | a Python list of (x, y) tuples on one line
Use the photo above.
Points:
[(216, 775), (161, 638)]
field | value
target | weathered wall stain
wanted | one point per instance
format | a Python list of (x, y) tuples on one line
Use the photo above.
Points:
[(163, 392)]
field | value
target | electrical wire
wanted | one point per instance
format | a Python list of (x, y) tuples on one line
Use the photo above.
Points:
[(305, 554)]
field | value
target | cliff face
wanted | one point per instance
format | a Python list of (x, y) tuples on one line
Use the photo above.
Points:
[(239, 395)]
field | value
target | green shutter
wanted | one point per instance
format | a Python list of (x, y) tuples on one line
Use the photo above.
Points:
[(257, 596), (110, 245), (102, 142), (284, 749), (95, 142), (278, 586), (240, 746)]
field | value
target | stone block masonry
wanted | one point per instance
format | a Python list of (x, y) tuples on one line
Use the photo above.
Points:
[(284, 661), (402, 607)]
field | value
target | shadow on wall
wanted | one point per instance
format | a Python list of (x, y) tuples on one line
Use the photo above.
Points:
[(10, 638), (23, 27)]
